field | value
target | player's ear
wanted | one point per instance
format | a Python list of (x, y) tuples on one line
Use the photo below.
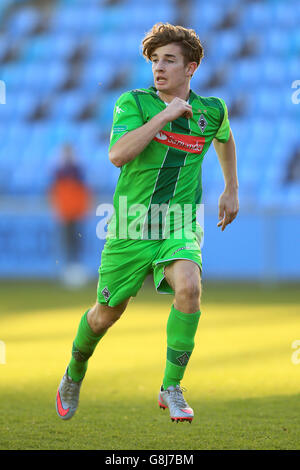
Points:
[(191, 68)]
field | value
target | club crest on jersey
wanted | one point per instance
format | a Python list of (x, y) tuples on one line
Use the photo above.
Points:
[(187, 143), (202, 123)]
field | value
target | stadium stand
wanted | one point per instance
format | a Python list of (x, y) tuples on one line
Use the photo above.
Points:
[(65, 63)]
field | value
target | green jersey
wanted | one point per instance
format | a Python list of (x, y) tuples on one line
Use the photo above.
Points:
[(166, 177)]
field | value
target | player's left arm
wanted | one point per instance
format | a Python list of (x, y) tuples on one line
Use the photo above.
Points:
[(228, 201)]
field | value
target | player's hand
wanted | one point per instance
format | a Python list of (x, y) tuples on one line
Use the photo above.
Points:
[(228, 207), (177, 108)]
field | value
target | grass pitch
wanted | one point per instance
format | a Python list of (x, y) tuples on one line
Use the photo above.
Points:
[(241, 380)]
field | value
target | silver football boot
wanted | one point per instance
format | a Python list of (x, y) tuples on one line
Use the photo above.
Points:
[(67, 397), (173, 399)]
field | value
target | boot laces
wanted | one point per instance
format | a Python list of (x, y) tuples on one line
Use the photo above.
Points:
[(177, 396)]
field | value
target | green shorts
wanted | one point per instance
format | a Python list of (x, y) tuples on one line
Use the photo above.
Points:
[(126, 263)]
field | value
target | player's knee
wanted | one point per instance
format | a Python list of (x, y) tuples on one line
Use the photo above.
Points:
[(102, 317), (189, 289), (102, 323)]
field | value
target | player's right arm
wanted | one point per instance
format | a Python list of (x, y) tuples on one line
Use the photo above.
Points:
[(130, 142)]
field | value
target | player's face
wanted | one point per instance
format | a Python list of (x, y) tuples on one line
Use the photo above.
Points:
[(169, 71)]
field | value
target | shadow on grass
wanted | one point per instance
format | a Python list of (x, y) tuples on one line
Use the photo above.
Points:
[(35, 295), (115, 423)]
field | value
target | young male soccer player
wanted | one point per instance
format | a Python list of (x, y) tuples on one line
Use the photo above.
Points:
[(159, 138)]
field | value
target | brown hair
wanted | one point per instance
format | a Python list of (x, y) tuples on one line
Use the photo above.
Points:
[(162, 34)]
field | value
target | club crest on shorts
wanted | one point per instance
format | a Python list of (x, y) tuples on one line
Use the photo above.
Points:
[(105, 292), (202, 123)]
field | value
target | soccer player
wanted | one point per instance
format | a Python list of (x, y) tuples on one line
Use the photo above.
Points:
[(159, 138)]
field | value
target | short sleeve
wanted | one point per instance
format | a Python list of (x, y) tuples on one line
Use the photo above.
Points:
[(223, 133), (126, 117)]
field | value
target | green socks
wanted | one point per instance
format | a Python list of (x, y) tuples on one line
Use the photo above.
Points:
[(181, 330), (83, 347)]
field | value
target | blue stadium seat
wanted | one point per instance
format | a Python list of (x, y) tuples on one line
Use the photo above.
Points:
[(5, 44), (244, 75), (206, 16), (42, 77), (88, 134), (97, 74), (266, 102), (39, 49), (207, 13), (285, 15), (64, 131), (256, 17), (148, 16), (114, 18), (124, 48), (293, 196), (224, 44), (25, 103), (19, 133), (292, 66), (4, 4), (106, 105), (295, 41), (140, 75), (271, 71), (201, 76), (78, 19), (67, 105), (129, 4), (102, 174), (10, 74), (270, 197), (274, 43), (23, 22)]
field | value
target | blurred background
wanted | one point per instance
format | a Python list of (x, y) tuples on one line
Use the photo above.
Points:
[(63, 64)]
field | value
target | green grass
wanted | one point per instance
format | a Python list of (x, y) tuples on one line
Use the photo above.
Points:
[(240, 381)]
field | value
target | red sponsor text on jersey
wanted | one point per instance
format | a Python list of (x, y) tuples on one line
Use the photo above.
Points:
[(187, 143)]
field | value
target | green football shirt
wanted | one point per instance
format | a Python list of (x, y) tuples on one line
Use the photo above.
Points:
[(157, 193)]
